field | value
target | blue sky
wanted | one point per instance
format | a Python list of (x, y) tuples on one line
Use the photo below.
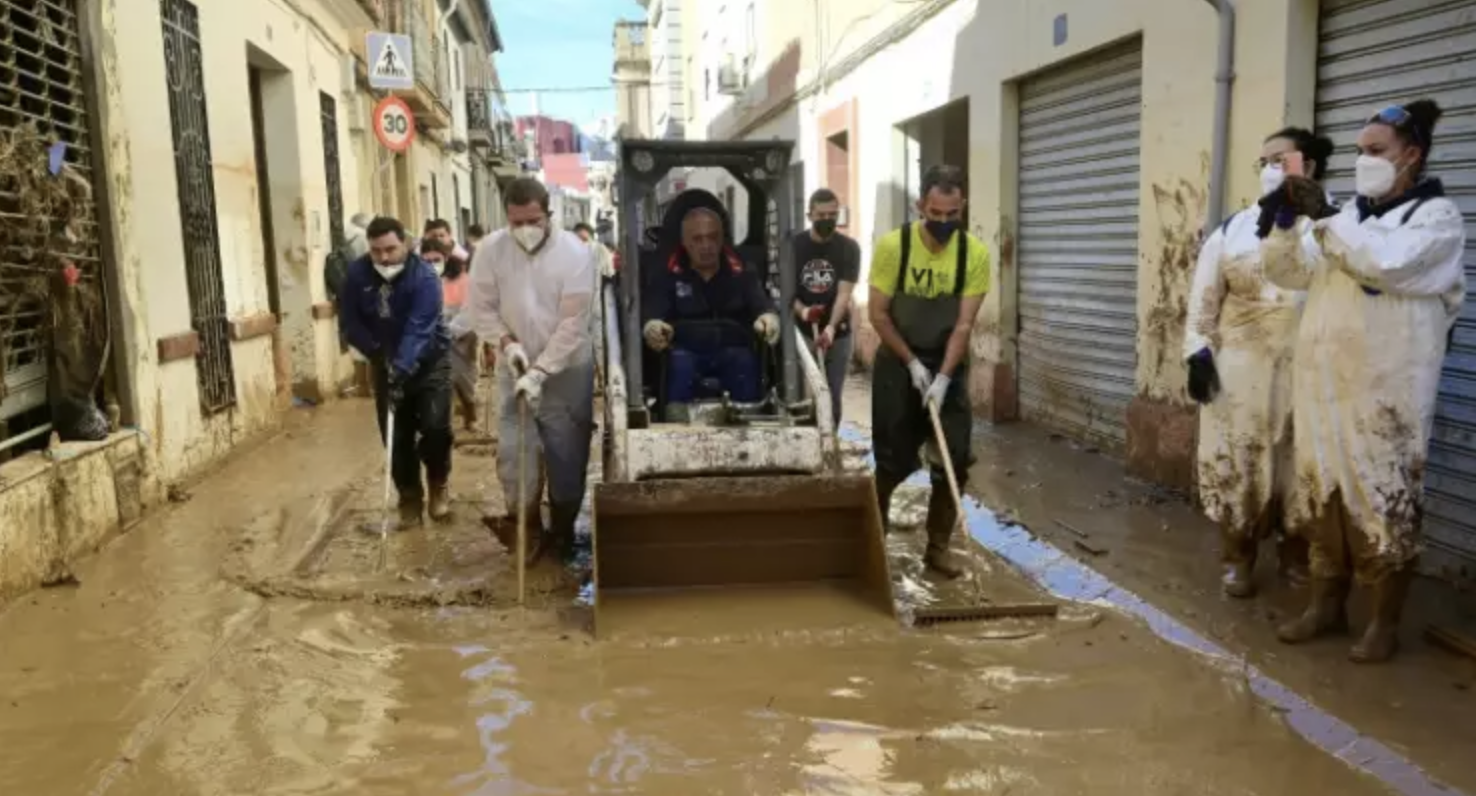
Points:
[(560, 43)]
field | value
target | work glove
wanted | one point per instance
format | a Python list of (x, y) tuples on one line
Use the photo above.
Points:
[(825, 339), (813, 314), (658, 335), (517, 358), (921, 378), (1271, 204), (357, 355), (530, 387), (1306, 197), (767, 327), (1204, 378), (936, 391), (396, 389)]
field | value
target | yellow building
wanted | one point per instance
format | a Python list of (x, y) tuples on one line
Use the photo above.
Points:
[(1089, 131)]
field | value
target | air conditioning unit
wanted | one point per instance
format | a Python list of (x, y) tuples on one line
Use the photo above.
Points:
[(731, 78)]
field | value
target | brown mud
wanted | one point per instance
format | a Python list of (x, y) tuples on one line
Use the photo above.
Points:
[(159, 674)]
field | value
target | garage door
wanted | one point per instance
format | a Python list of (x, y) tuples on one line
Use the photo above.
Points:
[(1379, 52), (41, 78), (1078, 244)]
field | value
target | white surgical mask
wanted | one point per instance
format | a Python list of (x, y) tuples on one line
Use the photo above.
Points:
[(1271, 178), (1374, 177), (440, 267), (389, 272), (528, 237)]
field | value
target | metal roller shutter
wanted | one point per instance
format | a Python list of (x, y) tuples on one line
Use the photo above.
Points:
[(41, 87), (1374, 53), (1078, 243)]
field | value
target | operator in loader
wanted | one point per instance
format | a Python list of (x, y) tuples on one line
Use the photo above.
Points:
[(701, 310), (531, 288), (927, 282)]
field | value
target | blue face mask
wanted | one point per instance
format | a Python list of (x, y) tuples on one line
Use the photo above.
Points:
[(941, 230)]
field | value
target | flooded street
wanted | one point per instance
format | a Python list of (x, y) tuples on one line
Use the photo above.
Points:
[(243, 642)]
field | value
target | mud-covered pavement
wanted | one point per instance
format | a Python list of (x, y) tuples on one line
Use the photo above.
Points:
[(244, 642)]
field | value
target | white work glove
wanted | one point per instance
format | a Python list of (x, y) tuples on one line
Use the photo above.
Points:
[(921, 378), (530, 387), (658, 335), (936, 391), (767, 327), (516, 358)]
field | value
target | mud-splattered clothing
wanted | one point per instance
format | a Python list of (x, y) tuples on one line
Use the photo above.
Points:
[(1384, 288), (1249, 325)]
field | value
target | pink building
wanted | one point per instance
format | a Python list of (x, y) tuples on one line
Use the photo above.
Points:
[(550, 136)]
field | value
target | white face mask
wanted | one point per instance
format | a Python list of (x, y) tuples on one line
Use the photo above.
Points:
[(389, 272), (439, 267), (528, 237), (1374, 177), (1272, 178)]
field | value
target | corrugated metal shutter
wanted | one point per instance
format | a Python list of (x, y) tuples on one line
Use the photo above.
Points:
[(1078, 243), (40, 87), (1375, 53)]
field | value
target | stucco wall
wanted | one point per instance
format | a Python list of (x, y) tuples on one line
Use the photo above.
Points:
[(980, 51), (144, 215)]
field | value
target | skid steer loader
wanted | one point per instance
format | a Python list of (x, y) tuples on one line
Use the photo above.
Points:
[(713, 494)]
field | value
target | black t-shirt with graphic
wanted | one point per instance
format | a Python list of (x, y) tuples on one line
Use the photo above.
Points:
[(821, 267)]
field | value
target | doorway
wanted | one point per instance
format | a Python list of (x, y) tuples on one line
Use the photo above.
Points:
[(938, 137)]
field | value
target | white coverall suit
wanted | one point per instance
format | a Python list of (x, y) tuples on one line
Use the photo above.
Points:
[(1245, 463), (542, 300), (1383, 294)]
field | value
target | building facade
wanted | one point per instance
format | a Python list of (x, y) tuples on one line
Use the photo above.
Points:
[(1088, 129), (217, 151), (548, 136)]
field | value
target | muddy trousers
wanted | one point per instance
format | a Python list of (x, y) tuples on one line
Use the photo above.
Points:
[(423, 434), (1340, 553), (901, 427), (560, 433), (1240, 547)]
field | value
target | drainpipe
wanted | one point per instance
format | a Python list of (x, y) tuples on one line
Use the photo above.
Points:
[(1224, 79)]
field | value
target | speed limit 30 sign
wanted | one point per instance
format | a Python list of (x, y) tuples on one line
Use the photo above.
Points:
[(394, 124)]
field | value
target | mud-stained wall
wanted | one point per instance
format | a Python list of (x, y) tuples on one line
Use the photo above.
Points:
[(144, 214), (980, 51)]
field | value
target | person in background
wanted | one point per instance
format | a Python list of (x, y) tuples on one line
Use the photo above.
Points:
[(391, 315), (604, 270), (440, 229), (927, 282), (1238, 344), (1385, 284), (828, 263), (702, 308), (531, 288), (474, 235), (464, 346)]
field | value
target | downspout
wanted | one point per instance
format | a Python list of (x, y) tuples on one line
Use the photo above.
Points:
[(1224, 80)]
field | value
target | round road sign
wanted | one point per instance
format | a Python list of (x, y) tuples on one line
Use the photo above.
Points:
[(394, 124)]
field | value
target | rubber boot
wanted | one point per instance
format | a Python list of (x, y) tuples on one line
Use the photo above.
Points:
[(885, 486), (1238, 558), (1381, 639), (1291, 560), (411, 508), (1326, 613), (942, 516), (560, 536), (440, 503), (505, 529)]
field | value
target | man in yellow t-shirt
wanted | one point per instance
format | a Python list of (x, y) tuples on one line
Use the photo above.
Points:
[(927, 282)]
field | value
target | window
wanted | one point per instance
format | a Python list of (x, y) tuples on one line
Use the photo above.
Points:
[(435, 197), (195, 180), (332, 173)]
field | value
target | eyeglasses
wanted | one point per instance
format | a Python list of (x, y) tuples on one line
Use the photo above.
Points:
[(1400, 119), (1274, 160)]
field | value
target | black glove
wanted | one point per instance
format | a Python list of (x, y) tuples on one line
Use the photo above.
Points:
[(1204, 379), (396, 389), (1270, 204)]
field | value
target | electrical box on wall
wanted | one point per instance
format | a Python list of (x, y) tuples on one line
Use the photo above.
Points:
[(1058, 35)]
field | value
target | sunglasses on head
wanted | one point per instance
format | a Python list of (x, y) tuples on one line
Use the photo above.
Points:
[(1397, 117)]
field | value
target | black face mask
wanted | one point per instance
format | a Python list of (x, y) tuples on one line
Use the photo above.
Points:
[(825, 227), (941, 230)]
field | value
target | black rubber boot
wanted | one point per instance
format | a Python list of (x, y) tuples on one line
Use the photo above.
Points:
[(1381, 639), (1327, 612), (942, 517), (1238, 560), (563, 518), (412, 507)]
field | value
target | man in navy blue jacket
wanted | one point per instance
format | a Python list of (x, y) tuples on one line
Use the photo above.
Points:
[(390, 311)]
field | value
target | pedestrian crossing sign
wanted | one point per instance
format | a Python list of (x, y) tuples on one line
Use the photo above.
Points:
[(390, 64)]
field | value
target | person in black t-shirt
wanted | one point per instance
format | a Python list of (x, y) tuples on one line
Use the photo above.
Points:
[(827, 264)]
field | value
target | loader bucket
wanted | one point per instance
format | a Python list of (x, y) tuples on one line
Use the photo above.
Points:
[(713, 544)]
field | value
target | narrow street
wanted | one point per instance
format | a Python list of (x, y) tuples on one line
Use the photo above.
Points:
[(242, 641)]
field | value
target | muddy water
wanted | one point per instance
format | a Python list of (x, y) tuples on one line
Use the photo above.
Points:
[(244, 643)]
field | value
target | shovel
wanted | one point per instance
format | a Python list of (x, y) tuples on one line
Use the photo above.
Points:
[(522, 500), (389, 461), (820, 360)]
